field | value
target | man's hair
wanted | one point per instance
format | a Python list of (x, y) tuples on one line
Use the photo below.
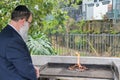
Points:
[(20, 12)]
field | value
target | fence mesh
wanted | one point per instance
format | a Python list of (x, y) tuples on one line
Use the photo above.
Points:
[(87, 44)]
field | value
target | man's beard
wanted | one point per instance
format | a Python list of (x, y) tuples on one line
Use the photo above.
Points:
[(24, 31)]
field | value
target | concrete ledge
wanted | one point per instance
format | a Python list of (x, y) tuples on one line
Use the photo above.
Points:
[(41, 60), (116, 69)]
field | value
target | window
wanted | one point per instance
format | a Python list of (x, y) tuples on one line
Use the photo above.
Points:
[(105, 2), (95, 0)]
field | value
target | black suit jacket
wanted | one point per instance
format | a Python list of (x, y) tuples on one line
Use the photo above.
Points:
[(15, 60)]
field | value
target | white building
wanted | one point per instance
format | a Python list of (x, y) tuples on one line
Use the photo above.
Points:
[(96, 9)]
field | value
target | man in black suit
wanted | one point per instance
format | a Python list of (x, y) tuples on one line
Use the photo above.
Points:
[(15, 59)]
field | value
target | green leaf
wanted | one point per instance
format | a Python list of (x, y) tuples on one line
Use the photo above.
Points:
[(38, 44)]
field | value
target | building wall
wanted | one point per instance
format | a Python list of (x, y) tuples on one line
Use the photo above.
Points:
[(95, 9), (116, 10)]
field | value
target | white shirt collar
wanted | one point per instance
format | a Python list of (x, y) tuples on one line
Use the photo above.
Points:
[(13, 28)]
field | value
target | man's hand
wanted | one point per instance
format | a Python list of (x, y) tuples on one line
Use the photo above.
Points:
[(37, 71)]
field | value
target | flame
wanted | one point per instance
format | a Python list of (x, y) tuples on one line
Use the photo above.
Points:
[(78, 66), (78, 59)]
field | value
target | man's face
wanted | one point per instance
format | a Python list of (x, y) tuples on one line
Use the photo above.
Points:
[(24, 29), (29, 20)]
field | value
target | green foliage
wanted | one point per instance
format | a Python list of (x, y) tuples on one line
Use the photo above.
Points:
[(81, 24), (77, 27), (69, 3), (54, 23), (39, 44), (6, 7)]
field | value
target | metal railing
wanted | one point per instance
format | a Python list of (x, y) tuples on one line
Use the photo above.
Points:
[(87, 44)]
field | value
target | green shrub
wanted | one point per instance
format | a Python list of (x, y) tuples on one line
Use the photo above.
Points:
[(38, 44)]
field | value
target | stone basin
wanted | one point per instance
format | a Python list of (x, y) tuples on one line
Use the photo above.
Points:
[(56, 67)]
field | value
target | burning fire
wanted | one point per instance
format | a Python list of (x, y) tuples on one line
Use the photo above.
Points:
[(78, 66)]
